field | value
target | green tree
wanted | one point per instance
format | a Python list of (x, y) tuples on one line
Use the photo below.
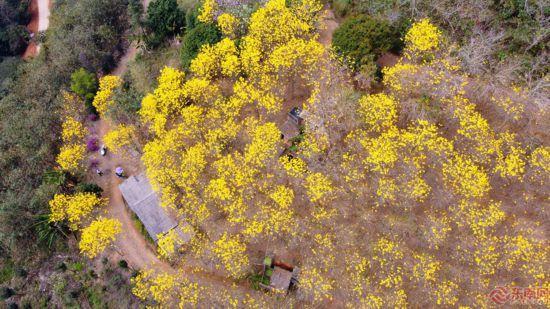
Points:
[(84, 83), (164, 18), (194, 39), (362, 39), (135, 13), (14, 36)]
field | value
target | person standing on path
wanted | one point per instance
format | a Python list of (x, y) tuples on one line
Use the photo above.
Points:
[(119, 172)]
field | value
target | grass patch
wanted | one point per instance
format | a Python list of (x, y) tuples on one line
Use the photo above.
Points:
[(7, 271), (76, 266), (145, 69), (256, 279)]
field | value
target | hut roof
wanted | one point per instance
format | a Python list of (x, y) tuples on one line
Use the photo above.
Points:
[(141, 198), (280, 279), (290, 129)]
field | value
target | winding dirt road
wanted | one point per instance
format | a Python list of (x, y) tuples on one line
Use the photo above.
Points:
[(130, 244)]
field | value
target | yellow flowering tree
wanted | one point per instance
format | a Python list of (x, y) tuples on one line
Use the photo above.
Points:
[(98, 236), (72, 131), (71, 157), (446, 293), (228, 24), (385, 263), (73, 208), (540, 164), (167, 99), (120, 137), (423, 37), (466, 178), (379, 111), (511, 157), (315, 282), (405, 177), (216, 60), (318, 186), (166, 289), (207, 11), (103, 97), (263, 146)]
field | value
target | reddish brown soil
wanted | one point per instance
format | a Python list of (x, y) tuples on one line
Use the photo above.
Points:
[(32, 48), (330, 25), (35, 17), (387, 60), (31, 51)]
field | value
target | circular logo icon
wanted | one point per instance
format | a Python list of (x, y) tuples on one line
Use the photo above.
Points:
[(499, 295)]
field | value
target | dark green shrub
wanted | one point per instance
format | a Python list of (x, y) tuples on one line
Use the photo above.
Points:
[(256, 279), (14, 36), (363, 39), (95, 297), (7, 271), (8, 71), (92, 274), (21, 272), (13, 306), (123, 264), (6, 293), (26, 305), (76, 266), (194, 39), (13, 40), (89, 187), (54, 177), (116, 280), (74, 293), (135, 13), (48, 232), (191, 18), (61, 266)]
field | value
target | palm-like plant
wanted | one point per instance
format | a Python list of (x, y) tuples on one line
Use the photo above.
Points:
[(48, 232)]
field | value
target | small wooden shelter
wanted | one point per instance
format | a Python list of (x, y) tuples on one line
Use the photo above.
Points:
[(282, 277), (291, 127)]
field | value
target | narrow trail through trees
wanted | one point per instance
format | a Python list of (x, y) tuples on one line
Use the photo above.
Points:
[(329, 26)]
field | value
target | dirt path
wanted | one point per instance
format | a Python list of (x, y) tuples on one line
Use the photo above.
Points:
[(130, 243), (40, 20), (329, 26)]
